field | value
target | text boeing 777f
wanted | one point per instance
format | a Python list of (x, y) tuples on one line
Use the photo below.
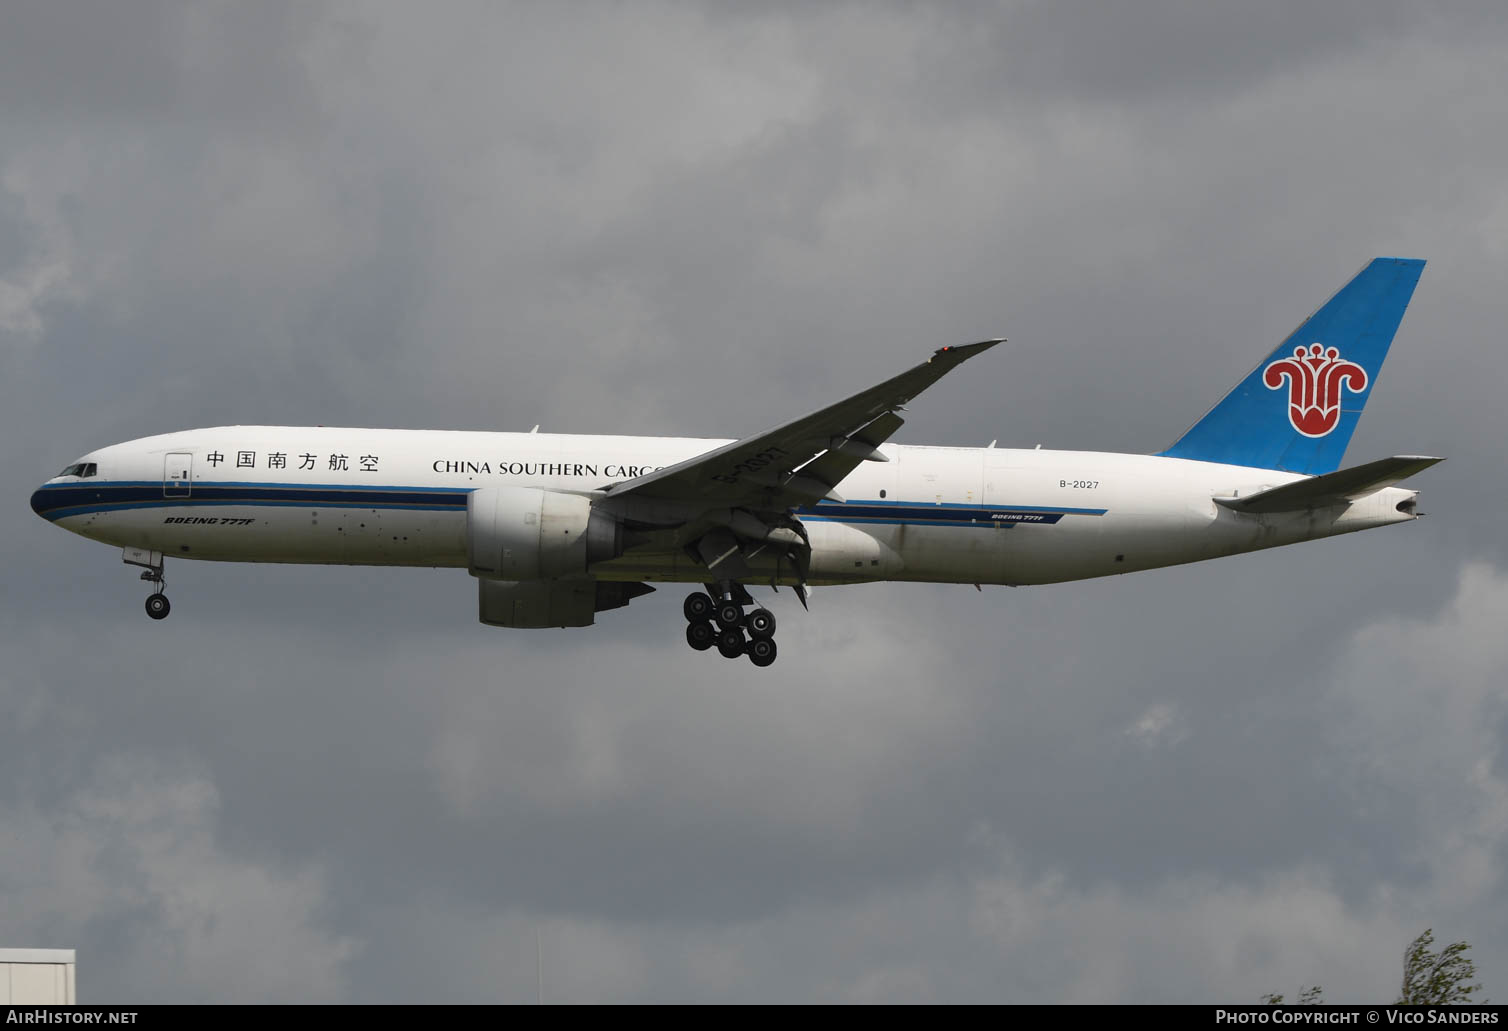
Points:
[(559, 527)]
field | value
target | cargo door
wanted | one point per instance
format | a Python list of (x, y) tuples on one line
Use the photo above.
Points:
[(177, 475)]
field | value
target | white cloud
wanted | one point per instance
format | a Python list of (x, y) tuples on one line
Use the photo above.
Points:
[(129, 871), (1410, 703), (1161, 725), (1426, 705), (39, 182)]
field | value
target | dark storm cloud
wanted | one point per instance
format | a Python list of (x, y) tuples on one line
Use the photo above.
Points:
[(697, 221), (91, 64), (1178, 51)]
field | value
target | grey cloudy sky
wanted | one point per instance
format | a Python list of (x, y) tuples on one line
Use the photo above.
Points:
[(315, 784)]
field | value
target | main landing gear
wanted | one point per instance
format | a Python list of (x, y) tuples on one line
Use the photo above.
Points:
[(722, 624)]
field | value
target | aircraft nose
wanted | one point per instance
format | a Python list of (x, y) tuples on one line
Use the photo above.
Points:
[(39, 501)]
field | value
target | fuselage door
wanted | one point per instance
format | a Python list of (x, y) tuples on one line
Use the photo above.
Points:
[(177, 475)]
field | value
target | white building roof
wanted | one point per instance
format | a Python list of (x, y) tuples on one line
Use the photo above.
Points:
[(37, 956)]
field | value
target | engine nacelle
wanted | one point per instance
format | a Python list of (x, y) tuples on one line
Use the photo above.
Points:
[(846, 554), (549, 603), (523, 533)]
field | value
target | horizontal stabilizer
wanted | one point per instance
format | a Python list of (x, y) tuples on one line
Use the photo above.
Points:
[(1339, 487)]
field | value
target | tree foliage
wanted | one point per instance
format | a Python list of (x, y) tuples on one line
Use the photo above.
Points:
[(1429, 978), (1437, 978)]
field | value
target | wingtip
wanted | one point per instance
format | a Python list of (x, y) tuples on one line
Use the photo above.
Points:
[(961, 351)]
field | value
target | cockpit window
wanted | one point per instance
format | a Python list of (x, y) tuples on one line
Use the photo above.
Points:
[(81, 469)]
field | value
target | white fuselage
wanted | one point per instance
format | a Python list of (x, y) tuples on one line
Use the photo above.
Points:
[(936, 514)]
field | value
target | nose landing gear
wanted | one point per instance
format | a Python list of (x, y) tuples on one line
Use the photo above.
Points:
[(158, 605), (157, 602), (731, 622)]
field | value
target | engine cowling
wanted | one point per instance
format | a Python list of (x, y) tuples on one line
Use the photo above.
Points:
[(549, 603), (524, 533)]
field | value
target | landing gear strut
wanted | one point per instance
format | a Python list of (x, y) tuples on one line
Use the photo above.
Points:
[(158, 605), (731, 622)]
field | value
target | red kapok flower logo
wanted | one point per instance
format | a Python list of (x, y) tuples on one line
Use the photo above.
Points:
[(1315, 375)]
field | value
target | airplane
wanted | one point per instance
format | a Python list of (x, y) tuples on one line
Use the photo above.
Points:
[(558, 527)]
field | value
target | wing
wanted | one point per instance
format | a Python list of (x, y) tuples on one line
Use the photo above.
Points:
[(734, 502), (800, 461)]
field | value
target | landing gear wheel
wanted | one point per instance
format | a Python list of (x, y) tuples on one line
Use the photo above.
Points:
[(761, 624), (698, 607), (158, 606), (700, 634), (730, 614), (731, 643), (762, 651)]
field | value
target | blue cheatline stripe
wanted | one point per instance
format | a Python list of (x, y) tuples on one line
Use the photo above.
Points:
[(986, 524), (63, 513), (257, 485), (922, 513), (59, 501), (970, 505)]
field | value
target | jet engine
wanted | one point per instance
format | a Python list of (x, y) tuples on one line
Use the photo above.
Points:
[(548, 603), (523, 533)]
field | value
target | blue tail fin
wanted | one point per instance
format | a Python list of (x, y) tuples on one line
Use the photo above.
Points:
[(1298, 408)]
